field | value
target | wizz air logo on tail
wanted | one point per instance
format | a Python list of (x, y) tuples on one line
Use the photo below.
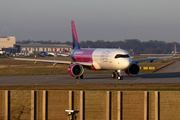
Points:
[(78, 52)]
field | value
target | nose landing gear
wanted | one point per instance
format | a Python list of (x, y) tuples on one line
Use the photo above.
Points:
[(118, 74)]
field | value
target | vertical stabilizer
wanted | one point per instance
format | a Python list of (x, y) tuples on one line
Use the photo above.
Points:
[(174, 49), (74, 36)]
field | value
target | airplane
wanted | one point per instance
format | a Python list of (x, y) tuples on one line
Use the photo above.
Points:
[(175, 51), (65, 50), (63, 53), (43, 54), (98, 59), (56, 53)]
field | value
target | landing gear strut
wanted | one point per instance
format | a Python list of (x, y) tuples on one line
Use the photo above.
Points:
[(81, 77), (118, 74)]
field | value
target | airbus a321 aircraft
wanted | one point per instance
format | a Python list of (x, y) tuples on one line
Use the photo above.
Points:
[(98, 59)]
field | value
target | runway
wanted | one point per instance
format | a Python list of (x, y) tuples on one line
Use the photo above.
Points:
[(168, 74)]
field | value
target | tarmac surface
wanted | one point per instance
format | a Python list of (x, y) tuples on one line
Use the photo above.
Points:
[(168, 74)]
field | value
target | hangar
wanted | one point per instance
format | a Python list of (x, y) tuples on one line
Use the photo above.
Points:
[(36, 47), (7, 43)]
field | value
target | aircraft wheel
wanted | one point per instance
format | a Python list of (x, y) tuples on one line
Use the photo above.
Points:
[(81, 76), (120, 77), (113, 75)]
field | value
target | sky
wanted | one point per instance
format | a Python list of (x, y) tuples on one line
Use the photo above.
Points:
[(108, 20)]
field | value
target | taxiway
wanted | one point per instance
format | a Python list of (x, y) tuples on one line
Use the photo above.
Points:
[(168, 74)]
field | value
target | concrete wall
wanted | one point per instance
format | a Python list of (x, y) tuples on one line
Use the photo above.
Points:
[(95, 105), (58, 102), (133, 102), (169, 105), (89, 105)]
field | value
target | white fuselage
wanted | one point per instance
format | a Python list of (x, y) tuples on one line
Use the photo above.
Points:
[(105, 59)]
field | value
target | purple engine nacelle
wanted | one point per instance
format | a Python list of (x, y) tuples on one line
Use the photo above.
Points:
[(133, 69), (75, 70)]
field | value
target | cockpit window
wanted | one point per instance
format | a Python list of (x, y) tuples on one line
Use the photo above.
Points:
[(121, 56)]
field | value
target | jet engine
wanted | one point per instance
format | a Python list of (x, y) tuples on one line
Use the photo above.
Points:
[(75, 70), (133, 69)]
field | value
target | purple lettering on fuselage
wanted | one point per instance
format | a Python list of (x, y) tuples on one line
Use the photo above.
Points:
[(83, 55), (104, 56)]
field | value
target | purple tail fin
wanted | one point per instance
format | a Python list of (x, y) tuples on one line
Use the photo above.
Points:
[(174, 49), (74, 36)]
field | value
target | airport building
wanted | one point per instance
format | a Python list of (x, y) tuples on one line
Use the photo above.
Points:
[(7, 43), (36, 48)]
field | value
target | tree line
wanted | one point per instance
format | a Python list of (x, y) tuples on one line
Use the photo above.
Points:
[(133, 46)]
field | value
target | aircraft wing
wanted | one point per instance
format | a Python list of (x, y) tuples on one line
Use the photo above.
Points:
[(150, 59), (65, 54), (156, 58), (55, 61)]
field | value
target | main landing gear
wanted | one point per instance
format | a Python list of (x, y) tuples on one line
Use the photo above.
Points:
[(118, 74), (81, 77)]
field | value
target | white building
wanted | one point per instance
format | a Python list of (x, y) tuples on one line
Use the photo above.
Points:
[(7, 41), (36, 48)]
